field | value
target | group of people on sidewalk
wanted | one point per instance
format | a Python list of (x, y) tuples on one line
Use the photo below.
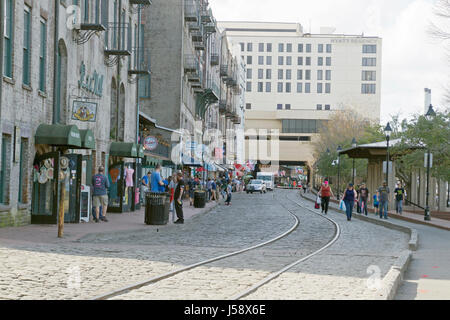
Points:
[(155, 183), (174, 185), (361, 197)]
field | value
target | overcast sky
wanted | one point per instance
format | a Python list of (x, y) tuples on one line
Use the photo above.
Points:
[(412, 60)]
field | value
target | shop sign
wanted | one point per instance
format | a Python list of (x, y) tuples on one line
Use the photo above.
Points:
[(150, 143), (92, 83), (84, 111)]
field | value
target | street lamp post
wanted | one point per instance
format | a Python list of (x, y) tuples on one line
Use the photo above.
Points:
[(354, 144), (387, 131), (429, 116), (339, 149)]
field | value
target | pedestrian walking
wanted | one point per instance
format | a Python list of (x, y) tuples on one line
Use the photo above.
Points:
[(172, 185), (209, 189), (224, 188), (305, 187), (400, 195), (100, 184), (229, 191), (325, 193), (383, 196), (178, 199), (213, 190), (349, 199), (363, 197), (156, 182)]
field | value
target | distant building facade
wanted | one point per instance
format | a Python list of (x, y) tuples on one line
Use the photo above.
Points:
[(296, 80)]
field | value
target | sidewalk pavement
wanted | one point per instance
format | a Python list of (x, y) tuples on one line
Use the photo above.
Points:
[(412, 217), (129, 221), (427, 276)]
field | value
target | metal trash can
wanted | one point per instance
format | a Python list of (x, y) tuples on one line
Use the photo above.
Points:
[(200, 199), (157, 207)]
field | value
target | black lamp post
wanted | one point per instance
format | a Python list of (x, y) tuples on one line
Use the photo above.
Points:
[(339, 149), (388, 132), (354, 144), (429, 116)]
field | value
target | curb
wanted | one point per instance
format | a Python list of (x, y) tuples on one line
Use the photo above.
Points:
[(394, 277)]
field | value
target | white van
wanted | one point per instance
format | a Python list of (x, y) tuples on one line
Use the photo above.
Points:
[(268, 178)]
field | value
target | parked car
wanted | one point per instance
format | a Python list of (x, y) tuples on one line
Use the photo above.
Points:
[(256, 186)]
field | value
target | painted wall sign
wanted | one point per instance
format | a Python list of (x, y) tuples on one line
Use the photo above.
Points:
[(150, 143), (84, 111), (92, 83)]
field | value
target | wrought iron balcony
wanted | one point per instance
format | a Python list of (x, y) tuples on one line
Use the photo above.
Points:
[(210, 28), (199, 46), (224, 70), (236, 119), (231, 81), (197, 36), (215, 89), (222, 106), (191, 64), (118, 39), (140, 61), (86, 25), (191, 11), (194, 26), (143, 2), (206, 16), (215, 60)]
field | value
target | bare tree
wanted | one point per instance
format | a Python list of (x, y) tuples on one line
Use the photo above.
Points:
[(440, 29)]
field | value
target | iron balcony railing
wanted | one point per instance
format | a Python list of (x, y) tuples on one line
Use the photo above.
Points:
[(191, 11), (222, 106), (199, 45), (143, 2), (140, 61), (224, 70), (191, 64), (211, 83), (118, 39), (206, 16), (194, 26), (236, 119), (215, 59), (197, 36)]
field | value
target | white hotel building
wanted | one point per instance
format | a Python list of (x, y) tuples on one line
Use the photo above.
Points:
[(295, 80)]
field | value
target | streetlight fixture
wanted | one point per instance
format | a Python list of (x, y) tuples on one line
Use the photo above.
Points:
[(429, 116), (354, 145), (339, 149)]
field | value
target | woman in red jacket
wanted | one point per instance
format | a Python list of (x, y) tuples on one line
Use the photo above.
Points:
[(325, 193)]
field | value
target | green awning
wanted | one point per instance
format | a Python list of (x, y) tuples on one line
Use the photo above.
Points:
[(87, 139), (122, 149), (59, 135), (126, 150), (140, 151)]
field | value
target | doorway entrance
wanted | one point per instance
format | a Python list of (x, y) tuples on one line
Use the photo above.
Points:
[(45, 187)]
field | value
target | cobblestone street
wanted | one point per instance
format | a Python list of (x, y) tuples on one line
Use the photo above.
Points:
[(101, 262)]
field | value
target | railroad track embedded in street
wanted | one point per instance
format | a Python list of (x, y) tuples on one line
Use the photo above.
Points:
[(266, 280)]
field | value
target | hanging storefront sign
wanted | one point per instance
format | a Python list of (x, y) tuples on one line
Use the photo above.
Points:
[(92, 83), (150, 143), (84, 111)]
